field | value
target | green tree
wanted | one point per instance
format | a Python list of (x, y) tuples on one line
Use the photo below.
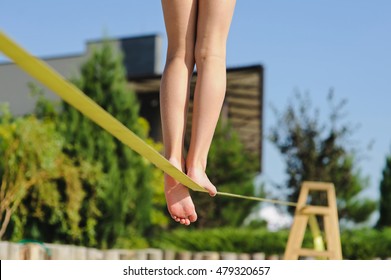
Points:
[(320, 152), (385, 196), (231, 169), (127, 201), (32, 165)]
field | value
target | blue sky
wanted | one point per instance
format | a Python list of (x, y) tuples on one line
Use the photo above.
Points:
[(304, 45)]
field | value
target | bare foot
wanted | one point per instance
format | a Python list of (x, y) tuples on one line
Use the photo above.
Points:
[(179, 203), (199, 176)]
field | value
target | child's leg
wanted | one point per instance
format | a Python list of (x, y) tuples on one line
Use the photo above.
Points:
[(213, 22), (180, 21)]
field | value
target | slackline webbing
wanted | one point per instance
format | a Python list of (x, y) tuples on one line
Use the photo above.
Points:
[(76, 98)]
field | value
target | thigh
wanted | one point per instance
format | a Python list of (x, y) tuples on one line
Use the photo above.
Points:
[(213, 22), (180, 20)]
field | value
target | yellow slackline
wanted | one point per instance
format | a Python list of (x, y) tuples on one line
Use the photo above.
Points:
[(316, 235), (76, 98)]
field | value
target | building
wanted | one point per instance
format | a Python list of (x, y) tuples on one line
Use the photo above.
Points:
[(243, 104)]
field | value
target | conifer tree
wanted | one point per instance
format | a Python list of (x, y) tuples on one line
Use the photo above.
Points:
[(126, 201), (385, 196), (316, 151)]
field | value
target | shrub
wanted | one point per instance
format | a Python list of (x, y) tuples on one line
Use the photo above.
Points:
[(358, 244)]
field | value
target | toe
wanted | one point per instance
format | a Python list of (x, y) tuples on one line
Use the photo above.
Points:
[(211, 188), (212, 191), (190, 213), (193, 217)]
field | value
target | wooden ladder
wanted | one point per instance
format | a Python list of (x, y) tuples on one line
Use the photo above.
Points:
[(331, 228)]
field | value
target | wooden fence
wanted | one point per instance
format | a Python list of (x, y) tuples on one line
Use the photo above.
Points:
[(35, 251)]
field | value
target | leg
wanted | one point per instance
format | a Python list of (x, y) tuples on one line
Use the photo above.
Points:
[(214, 19), (180, 21)]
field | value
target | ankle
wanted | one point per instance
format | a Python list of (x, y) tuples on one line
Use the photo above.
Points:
[(194, 170), (177, 162), (195, 163)]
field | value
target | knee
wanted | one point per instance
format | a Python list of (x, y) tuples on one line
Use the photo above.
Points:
[(181, 55), (204, 53)]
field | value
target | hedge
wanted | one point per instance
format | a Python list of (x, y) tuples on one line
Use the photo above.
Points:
[(356, 244)]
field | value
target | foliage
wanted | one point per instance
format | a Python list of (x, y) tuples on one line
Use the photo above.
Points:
[(358, 244), (132, 202), (224, 240), (231, 169), (33, 165), (316, 151), (366, 244), (385, 196)]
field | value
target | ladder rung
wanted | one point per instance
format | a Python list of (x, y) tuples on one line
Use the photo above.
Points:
[(318, 186), (315, 210), (313, 253)]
